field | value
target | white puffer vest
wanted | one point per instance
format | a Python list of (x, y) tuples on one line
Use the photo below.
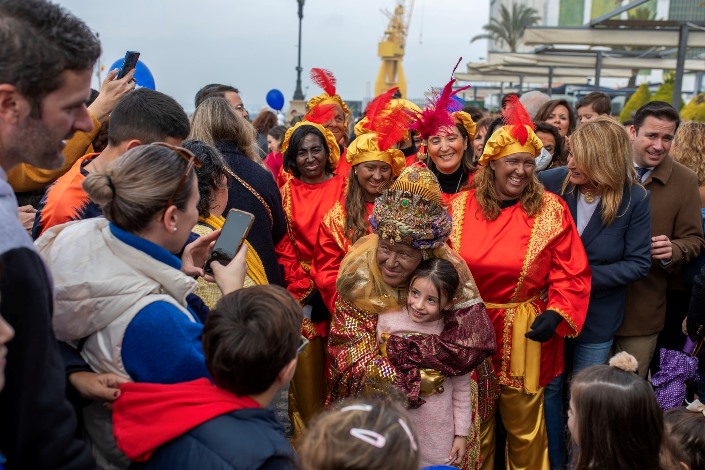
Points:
[(100, 284)]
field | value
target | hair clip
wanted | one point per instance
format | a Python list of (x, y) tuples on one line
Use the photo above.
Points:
[(371, 437), (357, 408), (407, 430), (696, 406)]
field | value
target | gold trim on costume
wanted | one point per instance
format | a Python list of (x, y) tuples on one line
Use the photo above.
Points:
[(457, 211), (525, 360), (254, 193), (567, 320), (306, 266), (334, 220), (547, 224)]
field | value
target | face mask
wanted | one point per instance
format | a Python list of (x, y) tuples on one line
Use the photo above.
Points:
[(543, 160)]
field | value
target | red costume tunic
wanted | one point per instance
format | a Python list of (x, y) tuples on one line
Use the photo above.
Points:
[(304, 207), (333, 244), (514, 258)]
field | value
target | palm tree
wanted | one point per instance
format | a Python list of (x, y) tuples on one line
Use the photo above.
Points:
[(509, 29)]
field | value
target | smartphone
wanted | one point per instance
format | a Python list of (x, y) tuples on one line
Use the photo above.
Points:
[(128, 63), (237, 226)]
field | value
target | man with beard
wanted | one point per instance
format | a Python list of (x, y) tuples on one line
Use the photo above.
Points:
[(47, 58)]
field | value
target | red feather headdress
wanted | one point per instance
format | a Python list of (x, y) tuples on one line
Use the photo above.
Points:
[(517, 118), (437, 114), (390, 121), (320, 114), (324, 79)]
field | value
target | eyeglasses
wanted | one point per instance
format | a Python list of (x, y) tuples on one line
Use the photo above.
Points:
[(192, 161), (302, 346)]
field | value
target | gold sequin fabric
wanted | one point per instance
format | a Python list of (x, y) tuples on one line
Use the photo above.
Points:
[(355, 359), (356, 363)]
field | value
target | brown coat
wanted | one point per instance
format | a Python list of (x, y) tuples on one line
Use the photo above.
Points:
[(675, 212)]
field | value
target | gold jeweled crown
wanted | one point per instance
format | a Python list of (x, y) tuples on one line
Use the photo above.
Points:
[(411, 210)]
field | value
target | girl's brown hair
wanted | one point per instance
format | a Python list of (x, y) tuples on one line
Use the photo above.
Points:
[(619, 423), (331, 443), (442, 275), (684, 438)]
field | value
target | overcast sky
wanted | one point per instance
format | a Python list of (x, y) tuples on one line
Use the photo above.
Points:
[(252, 44)]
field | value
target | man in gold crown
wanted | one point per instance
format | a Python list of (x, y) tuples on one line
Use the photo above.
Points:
[(522, 244), (410, 225), (348, 220)]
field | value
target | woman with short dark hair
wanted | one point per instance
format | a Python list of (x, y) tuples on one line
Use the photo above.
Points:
[(310, 155)]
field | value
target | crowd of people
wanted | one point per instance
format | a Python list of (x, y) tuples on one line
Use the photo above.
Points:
[(436, 286)]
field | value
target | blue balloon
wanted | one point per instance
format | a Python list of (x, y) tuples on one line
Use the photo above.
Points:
[(143, 76), (275, 99)]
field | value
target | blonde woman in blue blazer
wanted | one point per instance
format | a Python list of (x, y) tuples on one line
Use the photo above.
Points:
[(612, 214)]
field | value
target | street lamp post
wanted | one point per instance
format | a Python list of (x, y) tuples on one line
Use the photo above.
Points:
[(298, 94)]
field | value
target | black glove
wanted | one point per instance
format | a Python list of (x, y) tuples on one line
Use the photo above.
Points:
[(319, 312), (544, 326)]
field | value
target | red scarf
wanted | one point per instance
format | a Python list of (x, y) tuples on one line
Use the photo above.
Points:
[(147, 416)]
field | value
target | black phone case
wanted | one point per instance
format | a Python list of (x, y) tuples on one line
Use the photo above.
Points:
[(130, 62)]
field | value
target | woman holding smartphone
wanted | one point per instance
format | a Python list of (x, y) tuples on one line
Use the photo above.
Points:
[(122, 289), (213, 198)]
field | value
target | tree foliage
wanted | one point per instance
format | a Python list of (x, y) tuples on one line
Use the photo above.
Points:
[(509, 28), (665, 91), (638, 99), (695, 109)]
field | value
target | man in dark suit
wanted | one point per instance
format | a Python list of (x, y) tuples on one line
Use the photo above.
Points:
[(676, 228)]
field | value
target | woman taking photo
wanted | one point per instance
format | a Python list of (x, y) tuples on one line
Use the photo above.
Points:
[(213, 192), (121, 288), (520, 241), (612, 214), (310, 154), (348, 220)]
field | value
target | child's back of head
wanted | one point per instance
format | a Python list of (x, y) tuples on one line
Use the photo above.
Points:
[(360, 435), (684, 438), (250, 337), (614, 417)]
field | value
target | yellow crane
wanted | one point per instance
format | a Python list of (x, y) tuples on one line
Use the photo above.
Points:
[(391, 49)]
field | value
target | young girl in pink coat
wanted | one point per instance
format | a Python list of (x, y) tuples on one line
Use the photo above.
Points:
[(443, 422)]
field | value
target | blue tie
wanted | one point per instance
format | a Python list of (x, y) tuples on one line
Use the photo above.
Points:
[(641, 172)]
